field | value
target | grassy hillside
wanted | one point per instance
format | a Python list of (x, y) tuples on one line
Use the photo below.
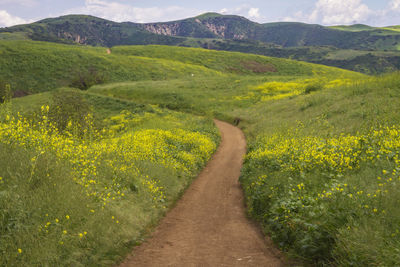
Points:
[(367, 62), (321, 173), (390, 30), (38, 66), (353, 28), (88, 30), (91, 191), (228, 62), (229, 33), (13, 36), (244, 87), (123, 166), (322, 164)]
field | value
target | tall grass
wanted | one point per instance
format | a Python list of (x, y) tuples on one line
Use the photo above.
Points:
[(324, 184), (76, 198), (321, 173)]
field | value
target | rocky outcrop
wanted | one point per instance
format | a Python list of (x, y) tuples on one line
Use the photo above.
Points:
[(229, 27), (73, 37), (216, 29), (170, 29)]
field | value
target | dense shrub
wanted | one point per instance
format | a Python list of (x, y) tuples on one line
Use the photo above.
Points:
[(85, 80), (69, 106), (5, 92)]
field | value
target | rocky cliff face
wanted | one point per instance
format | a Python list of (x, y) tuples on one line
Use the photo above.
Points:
[(215, 27), (73, 37), (170, 29)]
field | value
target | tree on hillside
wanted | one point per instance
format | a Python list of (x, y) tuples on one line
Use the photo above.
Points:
[(69, 106), (5, 92), (85, 80)]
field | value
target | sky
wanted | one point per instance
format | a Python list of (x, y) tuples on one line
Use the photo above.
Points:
[(324, 12)]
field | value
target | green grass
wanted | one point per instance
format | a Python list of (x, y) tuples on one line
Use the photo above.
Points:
[(348, 108), (340, 230), (49, 218), (231, 62), (13, 36), (353, 28), (38, 66), (391, 30), (285, 40), (330, 111), (102, 106), (274, 98)]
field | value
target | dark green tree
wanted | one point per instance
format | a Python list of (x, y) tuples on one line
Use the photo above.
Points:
[(5, 92)]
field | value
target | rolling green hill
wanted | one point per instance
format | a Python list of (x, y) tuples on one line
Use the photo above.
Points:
[(368, 62), (321, 173), (88, 30), (353, 28), (95, 31), (39, 66), (300, 41)]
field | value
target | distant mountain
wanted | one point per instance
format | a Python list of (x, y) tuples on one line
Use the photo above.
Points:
[(286, 34), (95, 31), (89, 30), (209, 25), (306, 42)]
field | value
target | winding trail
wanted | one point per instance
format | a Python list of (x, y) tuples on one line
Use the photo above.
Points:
[(208, 225)]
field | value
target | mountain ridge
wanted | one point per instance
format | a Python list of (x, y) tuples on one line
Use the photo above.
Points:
[(98, 31), (307, 42)]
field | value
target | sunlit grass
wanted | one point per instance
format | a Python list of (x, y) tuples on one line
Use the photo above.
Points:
[(86, 199), (321, 173), (323, 179)]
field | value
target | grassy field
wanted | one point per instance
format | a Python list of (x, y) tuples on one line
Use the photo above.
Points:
[(321, 173), (38, 66), (87, 194), (322, 160)]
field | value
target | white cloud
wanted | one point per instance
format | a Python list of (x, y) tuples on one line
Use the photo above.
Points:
[(254, 13), (244, 10), (394, 5), (331, 12), (341, 11), (122, 12), (224, 11), (7, 20), (27, 3)]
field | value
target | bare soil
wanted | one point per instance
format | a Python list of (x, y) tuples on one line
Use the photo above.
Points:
[(208, 225)]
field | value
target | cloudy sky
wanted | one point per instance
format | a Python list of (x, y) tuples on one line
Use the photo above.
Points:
[(326, 12)]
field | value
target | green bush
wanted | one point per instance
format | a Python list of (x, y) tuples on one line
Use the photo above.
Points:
[(5, 92), (69, 106), (85, 80), (313, 87)]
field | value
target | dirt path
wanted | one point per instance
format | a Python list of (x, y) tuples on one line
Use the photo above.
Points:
[(208, 226)]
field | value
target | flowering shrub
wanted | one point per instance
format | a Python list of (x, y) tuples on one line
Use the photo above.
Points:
[(311, 192), (126, 163)]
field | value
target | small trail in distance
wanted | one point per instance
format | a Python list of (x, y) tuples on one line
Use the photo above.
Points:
[(208, 225)]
